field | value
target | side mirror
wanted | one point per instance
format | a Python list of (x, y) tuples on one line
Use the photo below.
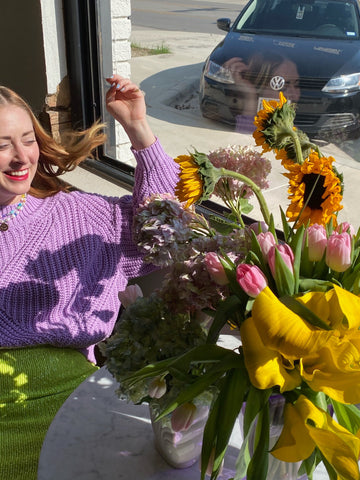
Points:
[(223, 24)]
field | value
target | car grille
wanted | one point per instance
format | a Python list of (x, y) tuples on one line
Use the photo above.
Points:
[(305, 83), (312, 83), (339, 120)]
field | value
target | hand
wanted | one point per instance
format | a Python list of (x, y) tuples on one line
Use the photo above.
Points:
[(125, 102)]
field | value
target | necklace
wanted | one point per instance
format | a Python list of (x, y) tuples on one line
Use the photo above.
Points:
[(13, 213)]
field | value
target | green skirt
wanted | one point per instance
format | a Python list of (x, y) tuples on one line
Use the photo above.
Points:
[(34, 383)]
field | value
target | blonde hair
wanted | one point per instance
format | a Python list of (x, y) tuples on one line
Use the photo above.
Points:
[(55, 159)]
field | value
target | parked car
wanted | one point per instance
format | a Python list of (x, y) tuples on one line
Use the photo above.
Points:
[(308, 49)]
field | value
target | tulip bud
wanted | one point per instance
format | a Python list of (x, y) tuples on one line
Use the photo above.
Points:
[(183, 417), (251, 279), (129, 295), (259, 227), (266, 241), (317, 240), (215, 268), (157, 387), (338, 252), (286, 254), (346, 227)]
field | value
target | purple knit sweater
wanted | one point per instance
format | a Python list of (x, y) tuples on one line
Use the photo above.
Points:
[(64, 259)]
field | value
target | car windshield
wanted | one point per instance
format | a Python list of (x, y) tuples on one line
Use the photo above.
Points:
[(313, 18)]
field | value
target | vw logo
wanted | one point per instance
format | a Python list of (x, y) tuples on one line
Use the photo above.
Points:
[(277, 83)]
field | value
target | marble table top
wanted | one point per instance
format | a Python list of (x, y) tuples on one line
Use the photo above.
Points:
[(97, 436)]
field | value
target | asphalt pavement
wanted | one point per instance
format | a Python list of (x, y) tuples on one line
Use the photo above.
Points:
[(170, 82)]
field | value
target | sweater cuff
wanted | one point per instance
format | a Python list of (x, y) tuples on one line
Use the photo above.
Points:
[(151, 155)]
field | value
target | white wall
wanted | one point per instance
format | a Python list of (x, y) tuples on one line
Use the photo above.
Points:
[(55, 56)]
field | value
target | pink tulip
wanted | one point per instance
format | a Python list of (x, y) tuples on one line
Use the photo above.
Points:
[(157, 387), (129, 295), (258, 227), (251, 279), (338, 252), (215, 268), (183, 416), (345, 227), (266, 241), (317, 241), (286, 254)]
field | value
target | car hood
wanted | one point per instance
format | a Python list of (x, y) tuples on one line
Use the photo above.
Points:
[(316, 58)]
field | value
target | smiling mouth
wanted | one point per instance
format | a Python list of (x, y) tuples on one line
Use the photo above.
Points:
[(17, 175)]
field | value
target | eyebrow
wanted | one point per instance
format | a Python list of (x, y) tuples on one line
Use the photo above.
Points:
[(23, 135)]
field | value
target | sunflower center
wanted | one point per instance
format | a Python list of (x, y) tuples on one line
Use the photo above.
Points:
[(314, 190)]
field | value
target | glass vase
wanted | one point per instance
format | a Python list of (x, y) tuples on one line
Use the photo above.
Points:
[(277, 470), (179, 449)]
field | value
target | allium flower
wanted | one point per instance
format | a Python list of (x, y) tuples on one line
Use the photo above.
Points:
[(244, 160)]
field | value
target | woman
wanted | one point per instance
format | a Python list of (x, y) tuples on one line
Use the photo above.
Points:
[(64, 258)]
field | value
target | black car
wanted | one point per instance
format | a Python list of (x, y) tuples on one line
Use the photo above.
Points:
[(309, 50)]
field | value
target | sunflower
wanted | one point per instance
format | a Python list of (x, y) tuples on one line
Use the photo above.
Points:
[(274, 124), (315, 190), (197, 178)]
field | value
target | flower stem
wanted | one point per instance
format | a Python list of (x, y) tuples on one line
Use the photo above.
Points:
[(255, 188)]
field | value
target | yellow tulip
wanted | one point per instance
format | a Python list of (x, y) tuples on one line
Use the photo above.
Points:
[(266, 368), (276, 338), (283, 330), (307, 426), (335, 369)]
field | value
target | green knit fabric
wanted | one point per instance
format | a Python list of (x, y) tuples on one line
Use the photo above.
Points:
[(34, 383)]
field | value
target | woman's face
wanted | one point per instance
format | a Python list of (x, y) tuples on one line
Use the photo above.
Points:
[(19, 153)]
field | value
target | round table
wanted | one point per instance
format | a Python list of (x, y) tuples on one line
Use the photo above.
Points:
[(97, 436)]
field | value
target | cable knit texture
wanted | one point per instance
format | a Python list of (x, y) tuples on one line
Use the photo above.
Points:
[(64, 259)]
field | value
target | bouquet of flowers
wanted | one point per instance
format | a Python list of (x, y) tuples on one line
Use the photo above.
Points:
[(292, 297)]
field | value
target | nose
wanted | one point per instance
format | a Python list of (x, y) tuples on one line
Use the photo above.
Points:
[(19, 152)]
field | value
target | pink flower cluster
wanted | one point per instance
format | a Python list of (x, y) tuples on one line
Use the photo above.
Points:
[(335, 249), (244, 160)]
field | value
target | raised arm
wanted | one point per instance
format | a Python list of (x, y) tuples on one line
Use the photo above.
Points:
[(125, 102)]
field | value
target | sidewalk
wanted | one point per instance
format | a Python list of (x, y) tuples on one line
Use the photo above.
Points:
[(170, 80)]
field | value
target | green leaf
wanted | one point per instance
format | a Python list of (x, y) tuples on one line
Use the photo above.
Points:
[(258, 466), (224, 312), (304, 312), (256, 400), (209, 437), (308, 466), (285, 225), (347, 415), (314, 284), (222, 225), (231, 397), (284, 278), (296, 246)]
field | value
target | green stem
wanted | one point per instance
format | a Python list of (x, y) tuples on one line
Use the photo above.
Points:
[(297, 145), (255, 188)]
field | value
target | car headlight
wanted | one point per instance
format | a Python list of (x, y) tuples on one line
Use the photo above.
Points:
[(218, 73), (343, 84)]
